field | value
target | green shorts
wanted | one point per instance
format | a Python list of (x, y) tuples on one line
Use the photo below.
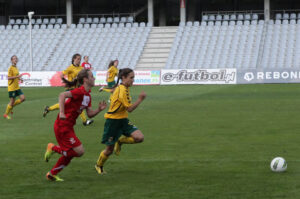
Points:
[(114, 128), (14, 94), (111, 84)]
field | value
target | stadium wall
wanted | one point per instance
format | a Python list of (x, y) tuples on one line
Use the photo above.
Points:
[(172, 77)]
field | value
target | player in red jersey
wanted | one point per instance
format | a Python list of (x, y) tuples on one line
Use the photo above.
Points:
[(71, 104), (86, 63)]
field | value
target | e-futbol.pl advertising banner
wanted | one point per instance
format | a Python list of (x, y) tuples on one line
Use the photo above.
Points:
[(52, 78), (198, 76)]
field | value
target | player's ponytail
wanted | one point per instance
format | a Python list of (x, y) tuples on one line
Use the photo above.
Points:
[(69, 84), (78, 81), (123, 73)]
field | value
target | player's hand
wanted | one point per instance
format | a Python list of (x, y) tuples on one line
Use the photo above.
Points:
[(102, 105), (142, 96), (62, 116)]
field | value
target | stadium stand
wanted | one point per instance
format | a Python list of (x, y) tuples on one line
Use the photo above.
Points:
[(216, 45), (53, 46)]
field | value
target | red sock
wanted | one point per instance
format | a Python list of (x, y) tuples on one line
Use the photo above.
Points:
[(60, 164), (63, 161), (57, 149)]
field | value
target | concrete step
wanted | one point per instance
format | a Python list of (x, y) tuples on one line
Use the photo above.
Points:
[(158, 45), (156, 50), (153, 60), (162, 35), (155, 55), (164, 30), (152, 66), (160, 40)]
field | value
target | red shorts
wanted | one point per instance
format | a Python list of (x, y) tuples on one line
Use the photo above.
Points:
[(66, 137)]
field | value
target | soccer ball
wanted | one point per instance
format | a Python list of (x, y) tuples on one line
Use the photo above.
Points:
[(278, 164)]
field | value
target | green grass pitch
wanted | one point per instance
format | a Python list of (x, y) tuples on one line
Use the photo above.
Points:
[(214, 141)]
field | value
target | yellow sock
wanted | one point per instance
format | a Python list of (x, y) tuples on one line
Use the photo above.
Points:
[(83, 117), (54, 107), (18, 101), (107, 90), (126, 140), (8, 109), (101, 160)]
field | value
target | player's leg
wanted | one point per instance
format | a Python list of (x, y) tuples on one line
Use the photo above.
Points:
[(21, 98), (69, 147), (85, 121), (63, 161), (9, 107), (108, 90), (110, 136), (104, 155), (131, 135), (47, 109)]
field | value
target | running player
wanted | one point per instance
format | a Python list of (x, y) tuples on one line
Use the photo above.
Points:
[(14, 90), (110, 76), (117, 129), (71, 104)]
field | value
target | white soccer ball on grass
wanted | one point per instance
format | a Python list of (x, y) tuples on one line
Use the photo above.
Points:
[(278, 164)]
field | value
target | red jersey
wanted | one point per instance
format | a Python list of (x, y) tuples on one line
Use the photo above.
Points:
[(86, 65), (79, 101)]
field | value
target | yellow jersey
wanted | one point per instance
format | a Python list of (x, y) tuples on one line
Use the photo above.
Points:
[(72, 72), (13, 84), (112, 73), (119, 102)]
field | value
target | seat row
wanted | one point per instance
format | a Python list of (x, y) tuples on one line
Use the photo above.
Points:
[(73, 26), (37, 21), (231, 17), (96, 20)]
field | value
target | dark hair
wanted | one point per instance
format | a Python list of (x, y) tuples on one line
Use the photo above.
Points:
[(111, 63), (13, 56), (74, 57), (123, 73), (78, 81)]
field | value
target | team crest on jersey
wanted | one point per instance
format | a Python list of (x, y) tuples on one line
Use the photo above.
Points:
[(110, 139), (72, 140), (86, 100)]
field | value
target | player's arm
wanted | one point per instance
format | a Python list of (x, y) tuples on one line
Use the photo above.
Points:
[(14, 77), (92, 113), (10, 75), (141, 98), (62, 98), (108, 74), (65, 72)]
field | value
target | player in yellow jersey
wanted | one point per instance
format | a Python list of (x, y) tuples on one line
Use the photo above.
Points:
[(71, 73), (110, 76), (117, 129), (14, 90)]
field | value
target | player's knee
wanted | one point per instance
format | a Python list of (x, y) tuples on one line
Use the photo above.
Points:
[(109, 151), (80, 153), (22, 99), (139, 138)]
